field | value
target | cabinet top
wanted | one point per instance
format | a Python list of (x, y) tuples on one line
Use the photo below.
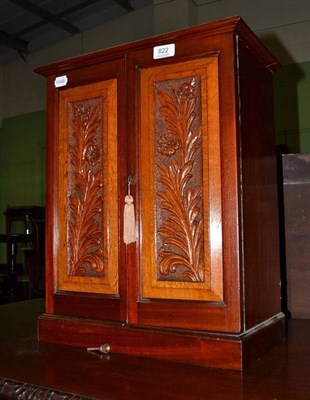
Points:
[(233, 25)]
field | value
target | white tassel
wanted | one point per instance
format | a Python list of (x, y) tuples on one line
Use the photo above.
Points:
[(129, 219)]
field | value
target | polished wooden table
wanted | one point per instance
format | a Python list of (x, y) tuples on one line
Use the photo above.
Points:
[(60, 372)]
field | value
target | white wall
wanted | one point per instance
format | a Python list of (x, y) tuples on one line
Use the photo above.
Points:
[(283, 25), (170, 15), (24, 91)]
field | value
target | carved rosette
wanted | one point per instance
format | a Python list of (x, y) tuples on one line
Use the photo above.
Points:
[(178, 177), (85, 194)]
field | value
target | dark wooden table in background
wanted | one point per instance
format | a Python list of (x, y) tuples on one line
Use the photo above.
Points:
[(37, 370)]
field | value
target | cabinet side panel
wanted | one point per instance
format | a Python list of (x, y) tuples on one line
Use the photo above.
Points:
[(259, 190)]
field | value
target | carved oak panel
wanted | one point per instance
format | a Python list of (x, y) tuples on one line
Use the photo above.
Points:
[(178, 180), (180, 173), (88, 189), (85, 250)]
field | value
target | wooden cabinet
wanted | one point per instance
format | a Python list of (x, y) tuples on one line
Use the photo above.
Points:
[(188, 116)]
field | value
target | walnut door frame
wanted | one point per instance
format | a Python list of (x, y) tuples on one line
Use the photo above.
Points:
[(94, 297), (216, 303)]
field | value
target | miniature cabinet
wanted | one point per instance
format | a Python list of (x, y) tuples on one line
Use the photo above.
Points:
[(188, 117)]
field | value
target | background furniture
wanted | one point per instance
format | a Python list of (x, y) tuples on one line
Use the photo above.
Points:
[(32, 235), (12, 241), (296, 184), (189, 116), (28, 214)]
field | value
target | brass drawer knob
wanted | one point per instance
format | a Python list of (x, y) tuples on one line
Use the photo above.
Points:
[(104, 348)]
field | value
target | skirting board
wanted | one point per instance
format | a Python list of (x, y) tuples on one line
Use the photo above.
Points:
[(226, 351)]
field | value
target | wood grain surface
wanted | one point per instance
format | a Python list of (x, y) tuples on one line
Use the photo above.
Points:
[(281, 374)]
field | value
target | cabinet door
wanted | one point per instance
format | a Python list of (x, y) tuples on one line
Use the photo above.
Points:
[(183, 278), (85, 187)]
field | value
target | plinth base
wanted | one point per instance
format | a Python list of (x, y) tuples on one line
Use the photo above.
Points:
[(227, 351)]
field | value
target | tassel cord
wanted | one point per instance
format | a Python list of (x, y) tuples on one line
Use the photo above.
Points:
[(129, 234)]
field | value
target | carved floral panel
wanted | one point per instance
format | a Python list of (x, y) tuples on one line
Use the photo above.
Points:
[(87, 208), (178, 180), (85, 249)]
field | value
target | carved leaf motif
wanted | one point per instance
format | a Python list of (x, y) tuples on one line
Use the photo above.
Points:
[(182, 230), (84, 229), (10, 389)]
